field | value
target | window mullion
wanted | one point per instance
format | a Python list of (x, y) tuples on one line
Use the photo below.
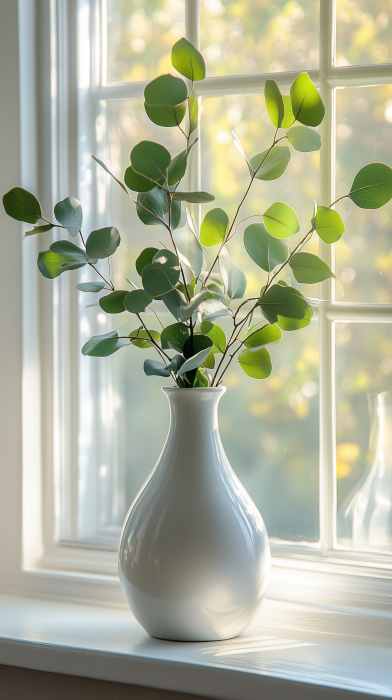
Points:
[(326, 326)]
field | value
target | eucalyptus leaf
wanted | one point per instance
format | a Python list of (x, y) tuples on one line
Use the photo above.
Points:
[(274, 102), (188, 61), (137, 182), (52, 264), (289, 117), (153, 208), (294, 324), (309, 268), (265, 336), (306, 103), (256, 364), (274, 163), (282, 301), (217, 336), (22, 205), (239, 145), (141, 338), (304, 139), (214, 227), (372, 186), (103, 345), (40, 229), (70, 250), (177, 304), (150, 159), (137, 301), (114, 303), (281, 220), (175, 364), (328, 224), (193, 108), (154, 368), (165, 115), (158, 281), (265, 250), (69, 214), (220, 313), (173, 337), (196, 256), (224, 267), (145, 258), (177, 167), (193, 197), (209, 362), (109, 173), (102, 242), (90, 286), (237, 282)]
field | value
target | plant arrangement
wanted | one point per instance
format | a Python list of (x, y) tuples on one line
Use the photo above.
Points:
[(194, 349)]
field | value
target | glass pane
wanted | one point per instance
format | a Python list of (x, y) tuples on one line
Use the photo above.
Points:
[(224, 174), (363, 256), (364, 434), (140, 36), (363, 32), (256, 36)]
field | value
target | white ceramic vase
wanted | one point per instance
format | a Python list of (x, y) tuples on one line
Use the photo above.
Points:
[(194, 556)]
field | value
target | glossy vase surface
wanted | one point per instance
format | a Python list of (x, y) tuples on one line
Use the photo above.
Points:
[(194, 556)]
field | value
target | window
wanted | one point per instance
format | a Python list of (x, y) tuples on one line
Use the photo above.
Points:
[(305, 438)]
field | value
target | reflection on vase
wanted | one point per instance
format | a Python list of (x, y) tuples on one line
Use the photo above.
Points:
[(365, 519)]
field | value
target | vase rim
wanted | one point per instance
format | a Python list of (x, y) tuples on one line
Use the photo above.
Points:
[(217, 389)]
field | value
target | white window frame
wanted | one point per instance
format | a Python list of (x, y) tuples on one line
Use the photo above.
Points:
[(40, 562)]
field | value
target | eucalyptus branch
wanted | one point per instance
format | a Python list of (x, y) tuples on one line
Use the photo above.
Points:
[(176, 249), (110, 285), (159, 350)]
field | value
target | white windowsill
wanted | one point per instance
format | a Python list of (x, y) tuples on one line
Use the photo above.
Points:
[(290, 651)]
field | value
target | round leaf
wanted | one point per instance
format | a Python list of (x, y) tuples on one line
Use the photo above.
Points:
[(304, 139), (306, 103), (153, 208), (150, 159), (166, 90), (52, 264), (256, 364), (273, 165), (274, 102), (103, 345), (90, 286), (237, 282), (281, 220), (289, 117), (22, 205), (214, 227), (177, 167), (194, 344), (217, 336), (282, 301), (137, 182), (145, 258), (308, 268), (188, 61), (294, 324), (267, 252), (102, 242), (173, 337), (265, 336), (70, 250), (69, 214), (165, 115), (137, 301), (372, 186), (141, 338), (113, 303), (158, 280), (178, 305), (154, 368), (328, 224)]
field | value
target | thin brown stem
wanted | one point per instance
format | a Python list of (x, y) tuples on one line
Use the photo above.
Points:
[(102, 277), (161, 352)]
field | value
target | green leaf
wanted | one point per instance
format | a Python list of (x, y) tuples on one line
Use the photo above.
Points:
[(265, 250), (177, 304), (274, 102), (209, 362), (304, 139), (195, 351), (282, 301), (274, 165), (309, 268), (70, 250), (111, 174), (51, 264), (328, 224), (137, 182), (306, 103), (39, 229), (193, 108), (195, 256), (200, 379), (69, 214), (103, 242), (145, 258), (154, 368), (214, 227), (103, 345), (113, 303), (176, 363), (173, 337), (90, 286), (160, 278), (221, 313), (165, 115), (256, 364), (281, 220), (217, 336), (224, 267), (150, 159), (265, 336), (188, 61), (153, 208), (193, 197), (237, 282), (294, 324), (239, 146), (137, 301), (372, 186), (22, 205), (177, 167), (289, 117), (141, 338)]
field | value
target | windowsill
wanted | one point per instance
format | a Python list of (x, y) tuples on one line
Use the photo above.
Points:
[(291, 650)]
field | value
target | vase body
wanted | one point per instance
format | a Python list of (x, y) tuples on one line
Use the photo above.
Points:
[(194, 557), (366, 516)]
